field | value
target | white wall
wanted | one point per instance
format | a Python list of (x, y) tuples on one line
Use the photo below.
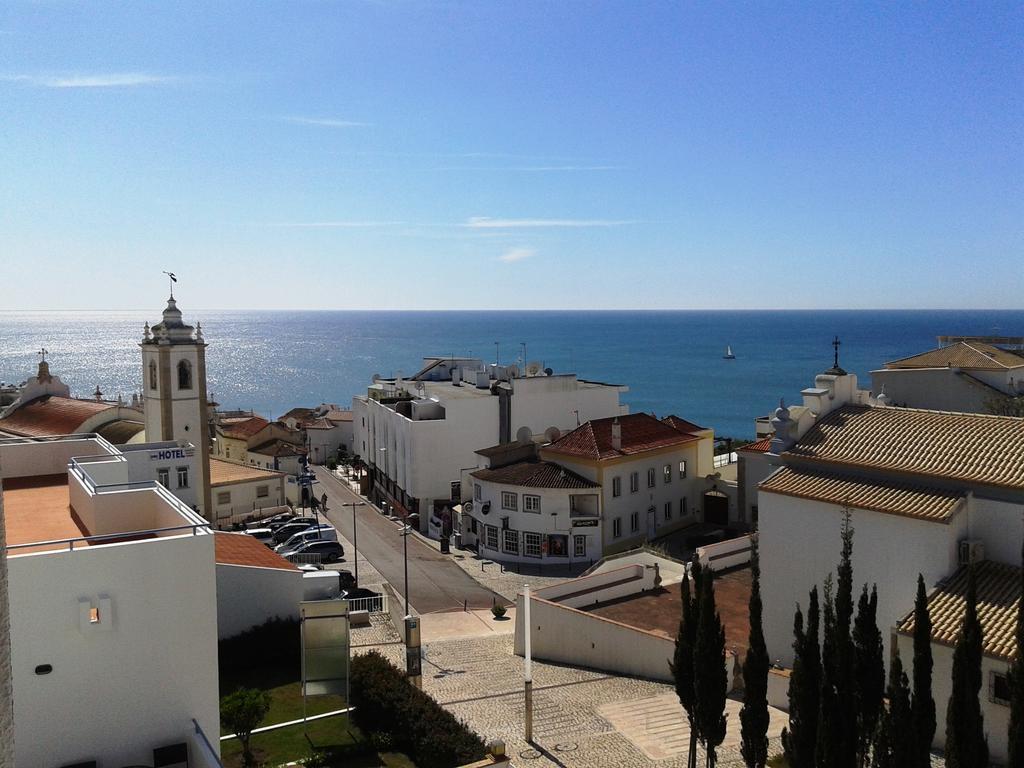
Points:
[(248, 596), (244, 498), (799, 545), (131, 683), (540, 402), (29, 459), (943, 389), (145, 461)]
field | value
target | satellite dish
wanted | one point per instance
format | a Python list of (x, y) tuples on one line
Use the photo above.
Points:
[(549, 372), (376, 378), (533, 368), (512, 371)]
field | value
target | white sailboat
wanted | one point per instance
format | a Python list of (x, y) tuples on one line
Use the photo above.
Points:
[(728, 353)]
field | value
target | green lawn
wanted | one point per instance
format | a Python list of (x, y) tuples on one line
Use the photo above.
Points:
[(334, 734)]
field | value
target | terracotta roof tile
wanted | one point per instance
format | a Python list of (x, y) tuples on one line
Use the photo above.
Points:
[(879, 496), (640, 432), (51, 415), (971, 448), (227, 473), (962, 354), (761, 446), (534, 474), (998, 587), (241, 549), (338, 415), (682, 425), (243, 429)]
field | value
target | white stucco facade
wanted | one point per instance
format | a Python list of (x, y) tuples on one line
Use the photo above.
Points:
[(248, 596)]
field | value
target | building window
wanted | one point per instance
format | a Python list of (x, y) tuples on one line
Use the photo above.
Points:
[(532, 544), (617, 528), (616, 486), (163, 476), (262, 491), (634, 522), (668, 473), (531, 503), (651, 476), (668, 510), (152, 374), (183, 477), (184, 375), (510, 541), (999, 689), (682, 507), (224, 497), (579, 546), (509, 500), (227, 452), (634, 482), (478, 492), (490, 537), (682, 470)]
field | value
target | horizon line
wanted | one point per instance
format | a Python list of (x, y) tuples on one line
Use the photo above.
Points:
[(533, 309)]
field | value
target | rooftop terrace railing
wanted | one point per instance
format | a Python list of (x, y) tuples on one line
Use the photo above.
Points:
[(53, 544)]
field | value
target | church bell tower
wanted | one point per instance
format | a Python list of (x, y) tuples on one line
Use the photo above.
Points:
[(174, 390)]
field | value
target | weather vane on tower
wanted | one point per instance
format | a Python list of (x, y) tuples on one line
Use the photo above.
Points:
[(173, 281)]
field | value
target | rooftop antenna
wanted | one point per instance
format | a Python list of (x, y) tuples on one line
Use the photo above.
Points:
[(497, 360), (173, 281)]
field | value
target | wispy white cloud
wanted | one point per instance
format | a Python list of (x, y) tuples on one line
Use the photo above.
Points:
[(335, 224), (327, 122), (513, 255), (486, 222), (104, 80)]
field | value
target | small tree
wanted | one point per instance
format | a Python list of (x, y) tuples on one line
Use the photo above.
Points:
[(241, 712), (1016, 675), (966, 746), (799, 739), (754, 714), (923, 704), (843, 681), (828, 749), (710, 678), (869, 671), (900, 719)]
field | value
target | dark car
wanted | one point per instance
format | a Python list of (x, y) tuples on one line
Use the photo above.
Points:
[(357, 592), (276, 520), (292, 527), (329, 551), (346, 580)]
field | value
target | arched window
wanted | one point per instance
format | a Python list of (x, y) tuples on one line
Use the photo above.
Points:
[(184, 375), (152, 374)]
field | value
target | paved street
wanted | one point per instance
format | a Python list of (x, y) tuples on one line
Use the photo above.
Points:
[(435, 582)]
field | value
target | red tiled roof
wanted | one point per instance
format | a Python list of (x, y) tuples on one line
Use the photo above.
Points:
[(319, 424), (241, 549), (640, 432), (534, 474), (244, 428), (51, 415), (682, 425), (338, 415), (761, 446)]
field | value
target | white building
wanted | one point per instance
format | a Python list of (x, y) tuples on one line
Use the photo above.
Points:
[(254, 584), (113, 613), (968, 374), (926, 492), (608, 485), (416, 435), (240, 491)]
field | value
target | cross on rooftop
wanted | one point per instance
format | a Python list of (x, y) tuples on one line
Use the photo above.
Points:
[(43, 353), (835, 345)]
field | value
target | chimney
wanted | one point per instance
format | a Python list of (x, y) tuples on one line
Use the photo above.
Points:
[(616, 435)]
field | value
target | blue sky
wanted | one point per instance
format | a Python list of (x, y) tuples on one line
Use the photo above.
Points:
[(512, 155)]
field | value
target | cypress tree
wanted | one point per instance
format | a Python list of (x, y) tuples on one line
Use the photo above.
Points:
[(828, 749), (923, 705), (903, 743), (881, 750), (710, 678), (843, 679), (1016, 680), (682, 664), (869, 669), (754, 714), (966, 746), (799, 739)]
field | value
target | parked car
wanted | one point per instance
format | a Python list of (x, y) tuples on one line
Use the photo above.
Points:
[(264, 535), (314, 532), (328, 551), (356, 593), (346, 580), (288, 530), (281, 523), (282, 518)]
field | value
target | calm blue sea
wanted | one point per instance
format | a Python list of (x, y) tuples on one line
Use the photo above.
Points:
[(671, 361)]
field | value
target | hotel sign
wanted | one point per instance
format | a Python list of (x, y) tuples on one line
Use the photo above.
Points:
[(585, 523), (170, 454)]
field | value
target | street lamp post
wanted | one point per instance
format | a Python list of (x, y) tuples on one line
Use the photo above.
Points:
[(406, 531), (355, 536)]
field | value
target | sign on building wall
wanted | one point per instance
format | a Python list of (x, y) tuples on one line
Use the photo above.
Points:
[(171, 454), (325, 648)]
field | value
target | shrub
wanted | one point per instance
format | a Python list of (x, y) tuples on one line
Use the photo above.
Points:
[(274, 643), (332, 464), (498, 611), (385, 702), (242, 711)]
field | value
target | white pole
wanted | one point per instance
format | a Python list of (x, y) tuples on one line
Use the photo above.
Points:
[(528, 665)]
